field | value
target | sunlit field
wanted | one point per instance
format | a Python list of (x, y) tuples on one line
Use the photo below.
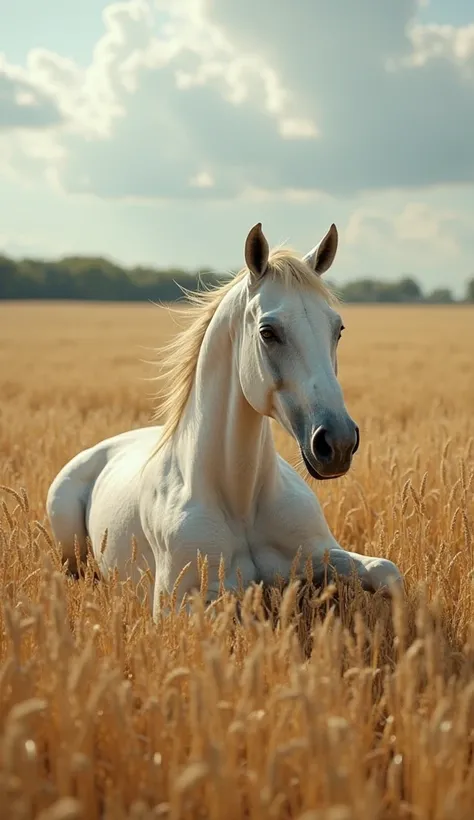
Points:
[(328, 706)]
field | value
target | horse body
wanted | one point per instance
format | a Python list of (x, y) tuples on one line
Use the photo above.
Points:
[(211, 478), (96, 494)]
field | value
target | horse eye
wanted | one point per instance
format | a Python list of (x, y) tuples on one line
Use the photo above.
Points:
[(340, 332), (268, 334)]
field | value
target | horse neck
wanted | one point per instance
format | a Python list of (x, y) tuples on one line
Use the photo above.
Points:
[(225, 448)]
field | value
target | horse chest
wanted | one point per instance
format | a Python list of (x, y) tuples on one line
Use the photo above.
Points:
[(255, 555), (255, 548), (280, 530), (272, 557)]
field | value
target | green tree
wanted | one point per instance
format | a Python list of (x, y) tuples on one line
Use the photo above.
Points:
[(470, 291), (441, 296), (8, 278), (409, 290), (77, 277)]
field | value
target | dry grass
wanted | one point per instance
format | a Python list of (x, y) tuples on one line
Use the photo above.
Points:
[(105, 715)]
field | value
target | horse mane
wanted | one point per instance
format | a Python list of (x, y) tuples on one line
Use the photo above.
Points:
[(177, 360)]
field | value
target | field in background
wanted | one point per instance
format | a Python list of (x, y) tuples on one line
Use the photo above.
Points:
[(104, 715)]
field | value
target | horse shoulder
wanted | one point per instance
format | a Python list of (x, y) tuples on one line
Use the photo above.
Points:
[(293, 516), (179, 524)]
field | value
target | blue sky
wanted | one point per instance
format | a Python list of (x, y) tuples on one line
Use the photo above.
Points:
[(159, 132)]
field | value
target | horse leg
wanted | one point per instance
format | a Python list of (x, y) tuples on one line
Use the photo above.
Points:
[(384, 575), (341, 563), (67, 499), (190, 581), (375, 574)]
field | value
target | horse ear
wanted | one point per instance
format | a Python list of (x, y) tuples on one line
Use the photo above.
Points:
[(256, 251), (322, 256)]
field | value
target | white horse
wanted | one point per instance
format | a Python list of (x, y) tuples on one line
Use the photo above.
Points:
[(261, 346)]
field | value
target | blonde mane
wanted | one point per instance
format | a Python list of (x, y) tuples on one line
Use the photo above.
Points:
[(178, 358)]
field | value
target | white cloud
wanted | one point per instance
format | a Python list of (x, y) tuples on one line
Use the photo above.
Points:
[(298, 129), (433, 41), (339, 97), (24, 103), (202, 180), (419, 223), (415, 235)]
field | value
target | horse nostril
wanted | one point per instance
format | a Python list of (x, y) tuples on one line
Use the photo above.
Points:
[(357, 441), (322, 447)]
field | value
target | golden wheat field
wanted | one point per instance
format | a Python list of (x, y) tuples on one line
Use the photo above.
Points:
[(308, 705)]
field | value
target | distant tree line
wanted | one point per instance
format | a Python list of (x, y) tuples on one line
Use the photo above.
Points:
[(98, 279)]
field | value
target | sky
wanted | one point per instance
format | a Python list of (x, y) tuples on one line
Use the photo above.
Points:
[(158, 132)]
